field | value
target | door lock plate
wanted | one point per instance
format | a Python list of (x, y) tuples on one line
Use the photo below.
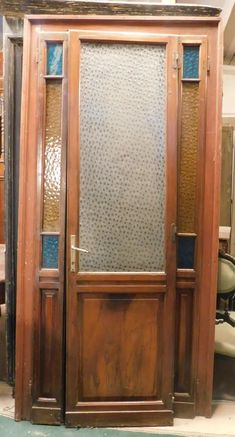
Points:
[(72, 254)]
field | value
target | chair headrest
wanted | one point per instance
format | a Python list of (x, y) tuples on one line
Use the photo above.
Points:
[(226, 276)]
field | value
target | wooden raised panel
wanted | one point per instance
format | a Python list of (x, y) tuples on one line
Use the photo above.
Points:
[(185, 344), (48, 350), (125, 348), (184, 340), (49, 343)]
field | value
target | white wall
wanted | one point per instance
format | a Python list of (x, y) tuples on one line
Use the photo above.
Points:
[(228, 91)]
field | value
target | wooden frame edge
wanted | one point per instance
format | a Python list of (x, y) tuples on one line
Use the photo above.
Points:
[(204, 380), (22, 395)]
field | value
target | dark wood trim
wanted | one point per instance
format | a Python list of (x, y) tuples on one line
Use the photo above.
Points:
[(25, 236), (210, 231), (136, 418), (12, 87), (55, 7), (184, 408), (46, 415)]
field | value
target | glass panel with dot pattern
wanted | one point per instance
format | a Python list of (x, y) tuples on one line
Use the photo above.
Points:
[(191, 62), (187, 182), (50, 245), (54, 58), (52, 157), (122, 157)]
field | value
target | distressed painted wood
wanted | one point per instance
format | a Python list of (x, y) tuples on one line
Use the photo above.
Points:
[(19, 8)]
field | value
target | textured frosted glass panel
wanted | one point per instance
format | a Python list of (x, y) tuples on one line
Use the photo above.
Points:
[(122, 157), (52, 157), (191, 62), (188, 158), (50, 251), (54, 58), (185, 255)]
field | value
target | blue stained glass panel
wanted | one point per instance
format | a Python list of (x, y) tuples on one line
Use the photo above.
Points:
[(191, 62), (50, 245), (185, 252), (54, 58)]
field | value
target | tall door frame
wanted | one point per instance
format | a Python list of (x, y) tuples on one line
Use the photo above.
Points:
[(27, 267), (102, 286)]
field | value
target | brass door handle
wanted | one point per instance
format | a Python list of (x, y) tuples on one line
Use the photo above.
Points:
[(72, 252), (79, 249)]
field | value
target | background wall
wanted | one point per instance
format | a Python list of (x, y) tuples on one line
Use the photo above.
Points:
[(229, 91)]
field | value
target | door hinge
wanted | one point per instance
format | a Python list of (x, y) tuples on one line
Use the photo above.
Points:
[(173, 232), (37, 58), (196, 387), (176, 61), (208, 65)]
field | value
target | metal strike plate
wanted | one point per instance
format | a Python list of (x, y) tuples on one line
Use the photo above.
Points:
[(173, 232), (72, 253)]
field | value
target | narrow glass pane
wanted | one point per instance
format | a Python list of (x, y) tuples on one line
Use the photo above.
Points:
[(188, 158), (122, 157), (50, 245), (191, 62), (54, 58), (185, 255), (52, 157)]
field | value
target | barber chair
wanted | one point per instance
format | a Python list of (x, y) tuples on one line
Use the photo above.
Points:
[(225, 289), (224, 370)]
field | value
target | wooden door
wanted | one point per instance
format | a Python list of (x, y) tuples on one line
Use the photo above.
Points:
[(120, 231)]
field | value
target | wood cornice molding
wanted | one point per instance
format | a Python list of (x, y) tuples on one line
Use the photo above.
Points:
[(19, 8)]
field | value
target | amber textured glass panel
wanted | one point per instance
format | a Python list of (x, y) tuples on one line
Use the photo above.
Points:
[(52, 157), (188, 158), (122, 157)]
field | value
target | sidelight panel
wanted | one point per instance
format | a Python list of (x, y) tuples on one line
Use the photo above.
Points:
[(52, 157), (54, 58), (122, 157)]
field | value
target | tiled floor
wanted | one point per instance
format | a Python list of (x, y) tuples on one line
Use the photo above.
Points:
[(7, 403), (221, 424)]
